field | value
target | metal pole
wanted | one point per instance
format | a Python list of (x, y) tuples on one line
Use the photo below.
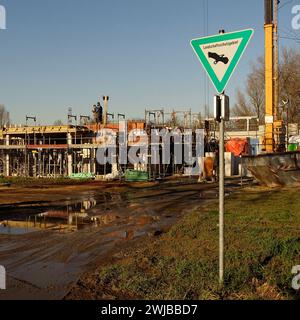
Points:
[(221, 202), (241, 170), (287, 124), (221, 196)]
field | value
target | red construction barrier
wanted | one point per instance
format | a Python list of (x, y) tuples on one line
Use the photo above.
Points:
[(237, 146)]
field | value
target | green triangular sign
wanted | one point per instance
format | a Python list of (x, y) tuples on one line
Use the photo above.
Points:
[(220, 54)]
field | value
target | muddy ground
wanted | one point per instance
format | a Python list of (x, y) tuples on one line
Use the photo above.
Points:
[(262, 246), (45, 262)]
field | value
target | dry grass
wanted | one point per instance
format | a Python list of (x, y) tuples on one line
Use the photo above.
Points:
[(262, 246)]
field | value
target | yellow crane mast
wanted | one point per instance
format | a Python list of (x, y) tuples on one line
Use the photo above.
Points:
[(273, 126), (269, 77)]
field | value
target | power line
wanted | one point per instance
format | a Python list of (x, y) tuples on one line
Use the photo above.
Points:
[(290, 38), (289, 35), (285, 4)]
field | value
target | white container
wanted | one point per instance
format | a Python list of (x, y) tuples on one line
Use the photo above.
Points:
[(293, 129), (229, 164)]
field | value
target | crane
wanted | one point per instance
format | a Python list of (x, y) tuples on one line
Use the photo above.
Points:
[(273, 125)]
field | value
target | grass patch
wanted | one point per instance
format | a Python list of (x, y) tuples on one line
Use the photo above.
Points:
[(262, 246), (41, 182)]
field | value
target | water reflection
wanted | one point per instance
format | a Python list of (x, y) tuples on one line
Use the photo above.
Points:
[(92, 210), (8, 229), (73, 216)]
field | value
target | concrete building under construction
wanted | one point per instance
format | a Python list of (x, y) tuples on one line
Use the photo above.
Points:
[(52, 151), (66, 150)]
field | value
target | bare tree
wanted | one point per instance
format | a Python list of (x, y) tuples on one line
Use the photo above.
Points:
[(256, 89), (242, 107), (252, 100), (290, 81), (4, 116)]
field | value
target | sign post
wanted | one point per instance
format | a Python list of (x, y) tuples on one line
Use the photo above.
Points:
[(221, 112), (221, 200), (219, 56)]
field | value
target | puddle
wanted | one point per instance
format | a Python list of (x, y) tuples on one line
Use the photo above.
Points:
[(96, 209), (74, 231), (72, 217), (91, 211), (8, 230)]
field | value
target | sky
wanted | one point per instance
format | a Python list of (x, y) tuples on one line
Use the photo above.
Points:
[(67, 53)]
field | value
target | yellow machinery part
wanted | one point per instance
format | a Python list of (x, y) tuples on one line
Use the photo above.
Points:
[(269, 94)]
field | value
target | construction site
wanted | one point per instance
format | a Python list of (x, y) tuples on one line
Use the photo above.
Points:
[(70, 150), (106, 206)]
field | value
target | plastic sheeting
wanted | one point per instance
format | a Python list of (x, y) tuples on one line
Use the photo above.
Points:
[(294, 140), (237, 146)]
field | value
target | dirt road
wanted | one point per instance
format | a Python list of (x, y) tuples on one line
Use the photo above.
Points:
[(44, 263)]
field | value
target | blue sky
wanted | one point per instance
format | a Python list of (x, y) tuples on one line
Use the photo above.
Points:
[(60, 53)]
